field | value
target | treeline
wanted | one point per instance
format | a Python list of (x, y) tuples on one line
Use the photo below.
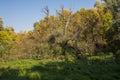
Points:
[(67, 35)]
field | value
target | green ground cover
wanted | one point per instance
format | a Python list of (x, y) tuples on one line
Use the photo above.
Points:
[(29, 69)]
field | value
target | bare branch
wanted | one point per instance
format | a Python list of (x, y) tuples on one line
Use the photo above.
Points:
[(46, 11)]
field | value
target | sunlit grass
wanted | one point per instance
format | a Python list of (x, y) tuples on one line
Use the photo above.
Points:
[(102, 57)]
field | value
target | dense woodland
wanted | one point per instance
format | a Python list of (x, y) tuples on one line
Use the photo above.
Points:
[(67, 35), (81, 45)]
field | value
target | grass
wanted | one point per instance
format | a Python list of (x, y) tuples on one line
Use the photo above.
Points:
[(29, 69), (102, 57)]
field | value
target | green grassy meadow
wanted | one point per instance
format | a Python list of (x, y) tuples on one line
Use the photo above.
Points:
[(28, 69)]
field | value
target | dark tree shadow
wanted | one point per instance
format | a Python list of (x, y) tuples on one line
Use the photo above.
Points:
[(10, 74)]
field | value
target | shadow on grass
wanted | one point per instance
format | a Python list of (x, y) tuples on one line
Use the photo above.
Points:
[(77, 70), (10, 74)]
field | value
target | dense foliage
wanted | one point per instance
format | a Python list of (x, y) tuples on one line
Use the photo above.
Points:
[(86, 32)]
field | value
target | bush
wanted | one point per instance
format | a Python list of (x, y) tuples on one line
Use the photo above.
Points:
[(2, 51)]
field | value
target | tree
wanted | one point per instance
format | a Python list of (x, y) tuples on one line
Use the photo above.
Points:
[(1, 24), (104, 25), (85, 23), (5, 41), (113, 34), (64, 16), (9, 29), (99, 5)]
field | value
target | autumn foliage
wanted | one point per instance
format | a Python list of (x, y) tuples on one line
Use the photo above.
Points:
[(63, 36)]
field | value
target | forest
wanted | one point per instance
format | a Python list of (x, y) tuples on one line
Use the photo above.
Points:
[(81, 45)]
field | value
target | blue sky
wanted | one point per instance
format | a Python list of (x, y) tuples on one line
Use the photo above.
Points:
[(21, 14)]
